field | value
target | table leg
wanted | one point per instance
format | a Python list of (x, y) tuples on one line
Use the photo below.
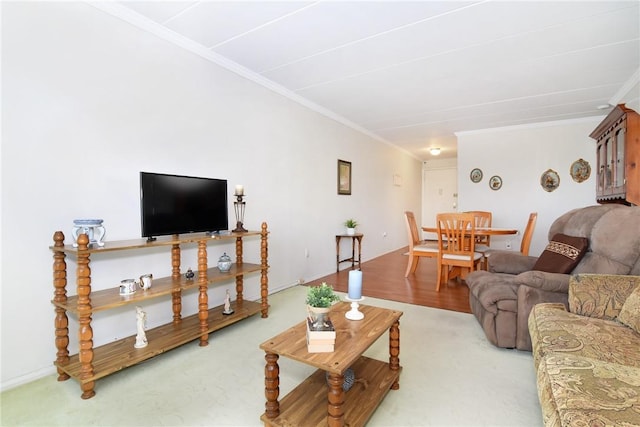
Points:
[(359, 252), (272, 385), (353, 252), (394, 351), (335, 396), (337, 254)]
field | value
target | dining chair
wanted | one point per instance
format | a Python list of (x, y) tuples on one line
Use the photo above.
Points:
[(527, 236), (483, 242), (456, 246), (417, 247)]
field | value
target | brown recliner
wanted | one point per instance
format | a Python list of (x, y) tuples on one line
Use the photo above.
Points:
[(502, 297)]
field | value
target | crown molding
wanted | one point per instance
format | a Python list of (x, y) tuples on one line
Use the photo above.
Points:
[(539, 125), (625, 89)]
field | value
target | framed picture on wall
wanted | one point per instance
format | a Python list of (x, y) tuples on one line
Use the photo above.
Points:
[(344, 177)]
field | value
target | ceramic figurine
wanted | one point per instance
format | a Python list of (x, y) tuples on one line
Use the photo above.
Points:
[(189, 274), (141, 337), (227, 304)]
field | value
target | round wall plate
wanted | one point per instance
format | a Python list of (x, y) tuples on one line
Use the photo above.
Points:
[(580, 170), (495, 182), (550, 180), (476, 175)]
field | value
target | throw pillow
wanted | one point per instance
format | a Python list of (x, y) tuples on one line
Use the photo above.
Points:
[(630, 311), (562, 254)]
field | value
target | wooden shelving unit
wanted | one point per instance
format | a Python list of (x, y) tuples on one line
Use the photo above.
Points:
[(91, 364)]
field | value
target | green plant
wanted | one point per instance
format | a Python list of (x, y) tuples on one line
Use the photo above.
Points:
[(351, 223), (321, 296)]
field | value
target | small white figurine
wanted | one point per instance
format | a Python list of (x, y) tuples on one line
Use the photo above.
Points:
[(227, 304), (141, 338)]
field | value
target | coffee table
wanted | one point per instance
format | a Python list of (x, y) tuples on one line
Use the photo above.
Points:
[(320, 400)]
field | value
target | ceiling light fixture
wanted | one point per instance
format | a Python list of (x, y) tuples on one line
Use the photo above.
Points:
[(434, 151)]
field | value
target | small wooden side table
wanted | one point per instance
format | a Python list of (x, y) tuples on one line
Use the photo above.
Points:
[(354, 237)]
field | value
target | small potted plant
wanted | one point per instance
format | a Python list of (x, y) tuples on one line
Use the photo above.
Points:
[(319, 301), (351, 225)]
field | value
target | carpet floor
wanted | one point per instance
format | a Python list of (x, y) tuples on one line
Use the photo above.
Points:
[(451, 377)]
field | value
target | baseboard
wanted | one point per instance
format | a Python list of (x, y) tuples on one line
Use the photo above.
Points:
[(24, 379)]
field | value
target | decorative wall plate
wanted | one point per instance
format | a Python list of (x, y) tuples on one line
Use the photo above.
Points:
[(550, 180), (580, 170), (476, 175), (495, 182)]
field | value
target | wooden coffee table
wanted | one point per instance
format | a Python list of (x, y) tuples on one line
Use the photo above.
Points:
[(319, 401)]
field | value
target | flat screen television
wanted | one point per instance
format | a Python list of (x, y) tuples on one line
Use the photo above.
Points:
[(175, 204)]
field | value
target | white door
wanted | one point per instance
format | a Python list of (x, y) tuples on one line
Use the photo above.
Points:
[(439, 194)]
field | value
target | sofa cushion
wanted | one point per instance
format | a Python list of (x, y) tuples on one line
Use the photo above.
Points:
[(630, 311), (600, 295), (554, 330), (562, 254), (582, 391)]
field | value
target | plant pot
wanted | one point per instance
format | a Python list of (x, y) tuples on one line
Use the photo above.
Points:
[(319, 317), (351, 231)]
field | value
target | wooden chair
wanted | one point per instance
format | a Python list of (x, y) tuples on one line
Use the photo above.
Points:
[(456, 246), (527, 235), (417, 247), (483, 243)]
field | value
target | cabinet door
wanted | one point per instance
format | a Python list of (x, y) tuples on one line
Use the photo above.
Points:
[(602, 162), (620, 158)]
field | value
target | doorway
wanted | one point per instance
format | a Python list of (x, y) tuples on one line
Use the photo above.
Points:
[(439, 193)]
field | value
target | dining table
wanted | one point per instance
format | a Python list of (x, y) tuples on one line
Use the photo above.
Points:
[(481, 231)]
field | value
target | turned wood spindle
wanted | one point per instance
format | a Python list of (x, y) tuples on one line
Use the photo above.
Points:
[(83, 280), (61, 322), (264, 280), (203, 298)]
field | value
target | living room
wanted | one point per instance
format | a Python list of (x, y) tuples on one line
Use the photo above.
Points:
[(89, 101)]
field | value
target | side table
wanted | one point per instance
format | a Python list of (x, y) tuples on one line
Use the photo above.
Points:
[(354, 237)]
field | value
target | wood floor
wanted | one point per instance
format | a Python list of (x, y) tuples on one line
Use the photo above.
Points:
[(383, 277)]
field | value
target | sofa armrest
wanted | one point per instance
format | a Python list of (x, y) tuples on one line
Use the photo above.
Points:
[(600, 295), (509, 262), (551, 282), (528, 297)]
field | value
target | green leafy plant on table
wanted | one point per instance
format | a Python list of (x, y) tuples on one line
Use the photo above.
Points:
[(321, 296)]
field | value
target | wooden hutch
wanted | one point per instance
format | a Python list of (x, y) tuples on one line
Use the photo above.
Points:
[(618, 157), (91, 364)]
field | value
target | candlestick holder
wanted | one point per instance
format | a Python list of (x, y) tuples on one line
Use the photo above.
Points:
[(354, 313), (238, 206)]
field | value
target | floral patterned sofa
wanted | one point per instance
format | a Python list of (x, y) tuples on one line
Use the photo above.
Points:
[(587, 359)]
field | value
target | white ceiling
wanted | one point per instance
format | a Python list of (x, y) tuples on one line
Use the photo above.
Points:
[(414, 72)]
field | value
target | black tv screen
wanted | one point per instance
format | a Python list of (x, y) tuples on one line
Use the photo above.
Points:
[(175, 204)]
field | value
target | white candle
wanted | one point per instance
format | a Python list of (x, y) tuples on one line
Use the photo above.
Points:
[(239, 190), (355, 284)]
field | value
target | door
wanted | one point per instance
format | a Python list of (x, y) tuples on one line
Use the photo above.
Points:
[(439, 194)]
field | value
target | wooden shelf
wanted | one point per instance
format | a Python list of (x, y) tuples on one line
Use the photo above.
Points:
[(307, 403), (123, 245), (121, 354), (92, 363), (110, 298)]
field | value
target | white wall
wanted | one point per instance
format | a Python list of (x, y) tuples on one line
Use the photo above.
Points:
[(520, 155), (89, 101)]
